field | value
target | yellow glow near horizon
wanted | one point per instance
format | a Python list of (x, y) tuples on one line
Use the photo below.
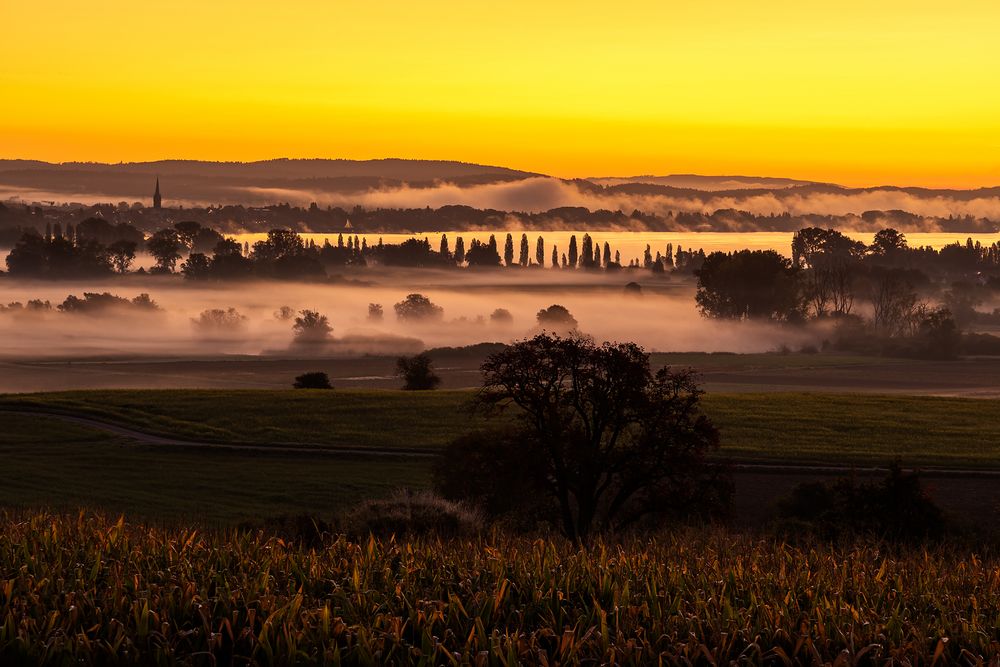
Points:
[(855, 92)]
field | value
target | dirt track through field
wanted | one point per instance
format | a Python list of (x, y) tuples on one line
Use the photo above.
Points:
[(143, 438), (758, 467)]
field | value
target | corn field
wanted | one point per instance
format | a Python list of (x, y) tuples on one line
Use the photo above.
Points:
[(89, 590)]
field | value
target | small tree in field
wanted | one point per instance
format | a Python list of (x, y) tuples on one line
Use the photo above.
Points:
[(597, 440), (217, 321), (417, 372), (417, 307), (311, 327), (556, 318)]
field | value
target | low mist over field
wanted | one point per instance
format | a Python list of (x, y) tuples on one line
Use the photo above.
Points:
[(663, 318)]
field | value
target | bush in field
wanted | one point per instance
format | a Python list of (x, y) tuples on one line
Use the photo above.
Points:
[(614, 444), (284, 313), (93, 303), (217, 321), (311, 327), (408, 513), (896, 507), (416, 307), (316, 380), (417, 372)]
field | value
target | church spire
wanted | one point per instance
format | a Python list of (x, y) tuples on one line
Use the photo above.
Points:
[(156, 195)]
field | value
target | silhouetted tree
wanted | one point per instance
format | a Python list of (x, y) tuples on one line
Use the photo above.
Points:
[(830, 262), (587, 252), (443, 249), (417, 372), (556, 318), (34, 256), (217, 321), (459, 250), (122, 255), (555, 257), (502, 317), (888, 243), (508, 251), (94, 303), (523, 255), (165, 247), (572, 251), (615, 443), (540, 252), (607, 254), (748, 284), (196, 267), (311, 327), (187, 230), (418, 307), (893, 299), (375, 312), (482, 255), (284, 313)]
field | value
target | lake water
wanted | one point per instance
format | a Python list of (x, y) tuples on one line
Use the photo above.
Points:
[(633, 244)]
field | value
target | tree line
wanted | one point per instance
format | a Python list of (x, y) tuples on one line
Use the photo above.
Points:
[(917, 299)]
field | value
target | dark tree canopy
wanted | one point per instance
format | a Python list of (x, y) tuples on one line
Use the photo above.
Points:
[(613, 441), (482, 254), (165, 247), (58, 257), (749, 284), (887, 243)]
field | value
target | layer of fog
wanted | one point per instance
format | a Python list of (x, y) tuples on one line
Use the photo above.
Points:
[(664, 319), (534, 195)]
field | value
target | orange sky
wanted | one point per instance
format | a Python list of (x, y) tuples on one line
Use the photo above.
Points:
[(860, 93)]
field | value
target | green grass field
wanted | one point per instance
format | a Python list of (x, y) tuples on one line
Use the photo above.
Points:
[(49, 463), (830, 428), (64, 466)]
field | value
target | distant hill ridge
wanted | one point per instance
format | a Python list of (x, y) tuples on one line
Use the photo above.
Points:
[(264, 182), (389, 168)]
